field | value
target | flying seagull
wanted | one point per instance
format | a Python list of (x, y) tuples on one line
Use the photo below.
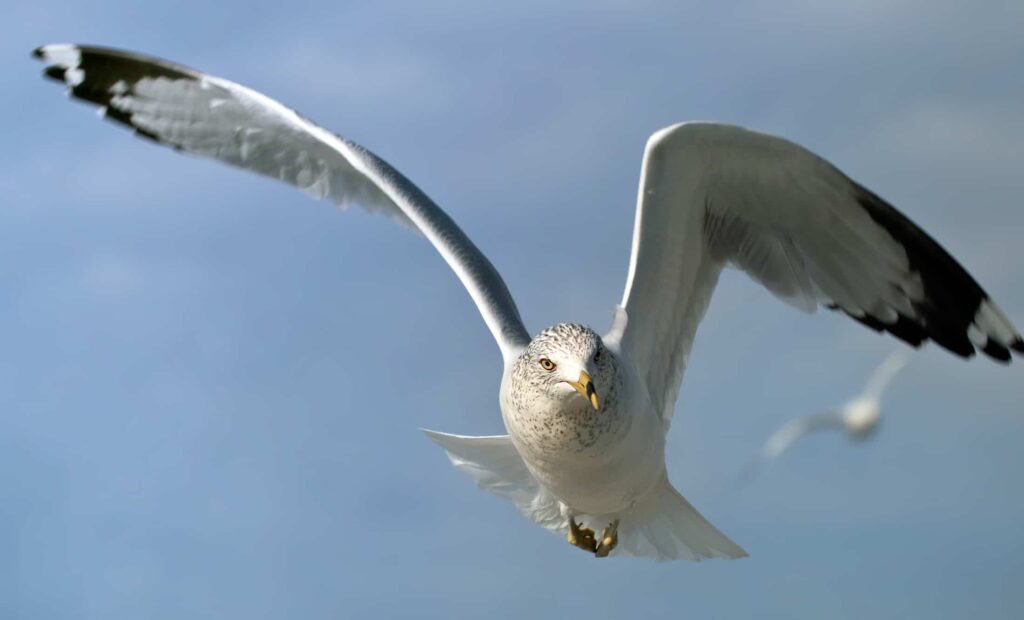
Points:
[(859, 417), (587, 414)]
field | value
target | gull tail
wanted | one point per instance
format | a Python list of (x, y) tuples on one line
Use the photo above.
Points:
[(665, 526), (495, 466)]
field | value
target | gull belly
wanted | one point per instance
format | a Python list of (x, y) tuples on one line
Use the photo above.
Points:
[(595, 463)]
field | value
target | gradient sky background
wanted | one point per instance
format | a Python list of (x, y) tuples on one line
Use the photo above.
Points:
[(206, 409)]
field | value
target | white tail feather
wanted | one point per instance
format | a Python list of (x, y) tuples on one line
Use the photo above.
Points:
[(667, 527)]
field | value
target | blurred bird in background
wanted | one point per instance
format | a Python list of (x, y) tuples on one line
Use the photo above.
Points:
[(858, 418)]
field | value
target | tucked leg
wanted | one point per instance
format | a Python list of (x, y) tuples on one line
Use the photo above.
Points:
[(609, 539), (581, 537)]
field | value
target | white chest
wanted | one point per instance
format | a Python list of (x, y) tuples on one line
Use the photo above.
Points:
[(596, 462)]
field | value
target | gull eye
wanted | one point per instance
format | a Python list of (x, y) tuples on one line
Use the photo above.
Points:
[(547, 364)]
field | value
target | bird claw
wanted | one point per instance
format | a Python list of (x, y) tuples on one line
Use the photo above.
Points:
[(584, 538), (581, 537), (609, 540)]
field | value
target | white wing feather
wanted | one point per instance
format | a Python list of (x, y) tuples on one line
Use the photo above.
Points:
[(213, 117), (713, 195), (788, 433), (785, 436), (885, 373)]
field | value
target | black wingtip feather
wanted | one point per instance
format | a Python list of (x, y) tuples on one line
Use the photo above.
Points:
[(954, 341), (907, 330), (55, 73), (102, 68), (38, 52), (1018, 346), (119, 116), (951, 296), (148, 135), (996, 351)]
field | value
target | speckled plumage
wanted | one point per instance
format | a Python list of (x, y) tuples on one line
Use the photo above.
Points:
[(592, 461), (552, 425)]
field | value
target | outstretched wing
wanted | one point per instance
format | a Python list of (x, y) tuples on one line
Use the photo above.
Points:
[(784, 437), (210, 116), (788, 433), (886, 372), (713, 195)]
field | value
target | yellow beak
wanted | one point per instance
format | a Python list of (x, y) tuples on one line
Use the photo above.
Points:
[(586, 387)]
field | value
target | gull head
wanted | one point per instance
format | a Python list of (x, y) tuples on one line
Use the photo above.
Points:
[(568, 366)]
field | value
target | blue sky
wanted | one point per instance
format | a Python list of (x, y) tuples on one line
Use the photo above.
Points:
[(198, 408)]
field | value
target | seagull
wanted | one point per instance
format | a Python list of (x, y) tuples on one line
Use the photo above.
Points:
[(587, 414), (858, 418)]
